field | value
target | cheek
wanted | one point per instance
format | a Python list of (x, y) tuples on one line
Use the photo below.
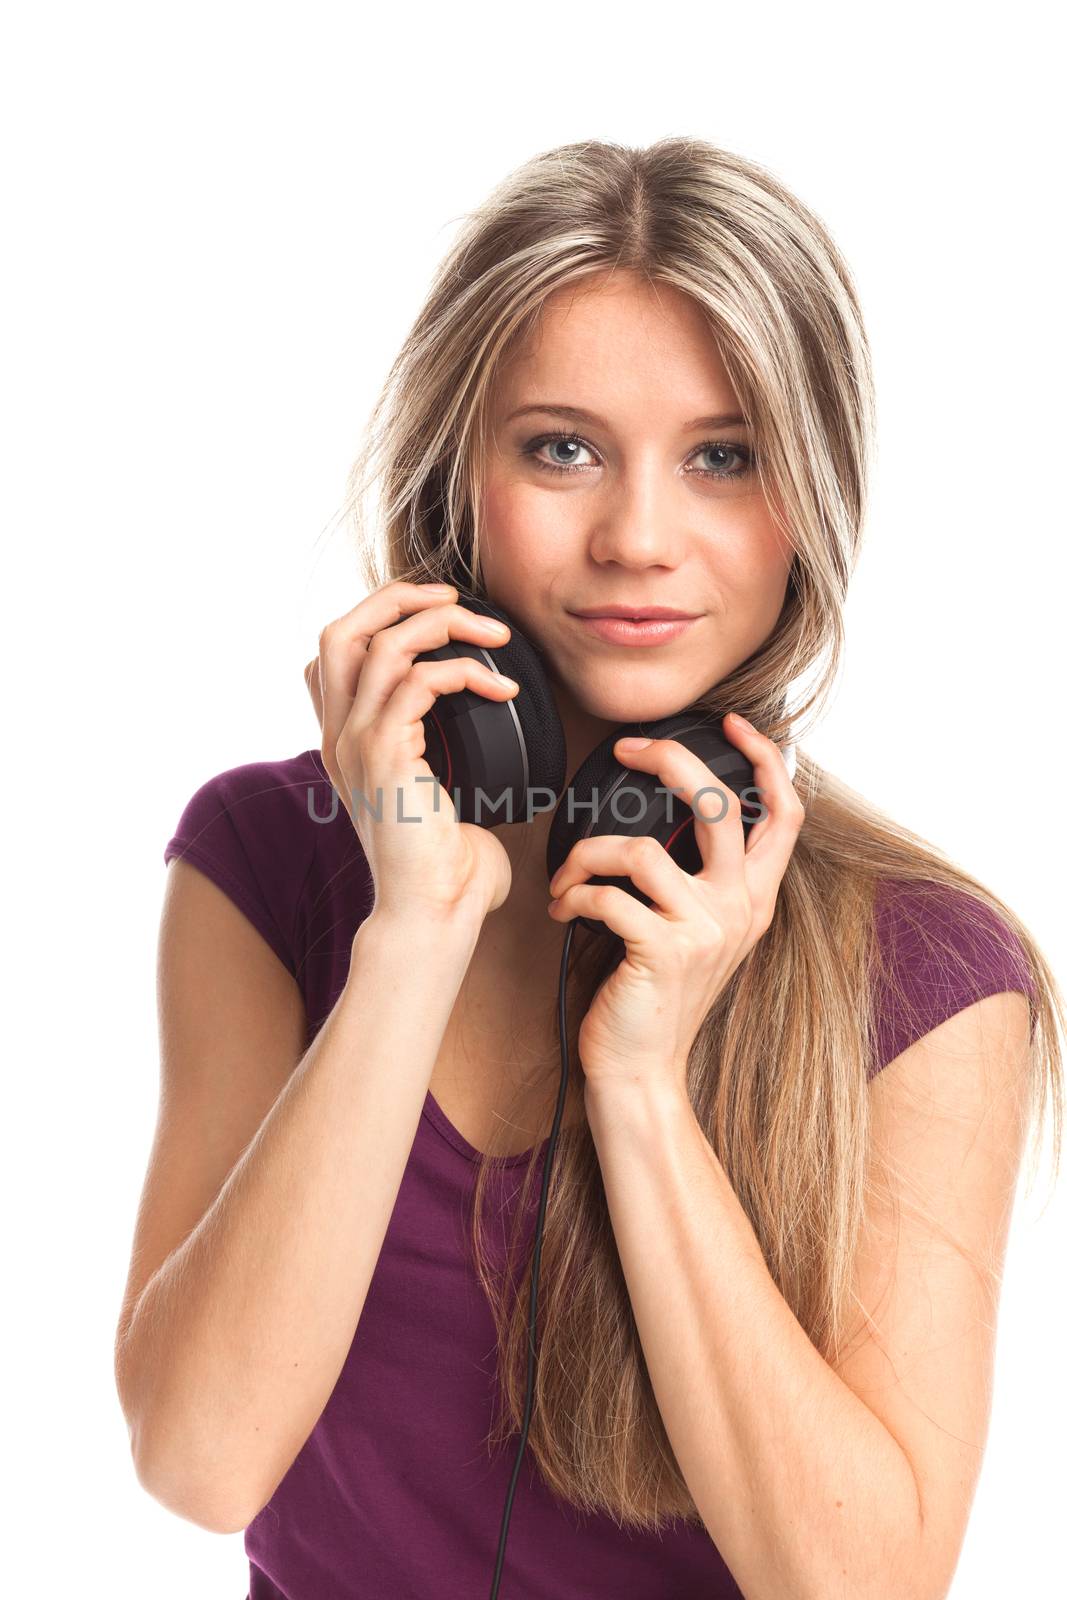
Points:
[(522, 530), (754, 569)]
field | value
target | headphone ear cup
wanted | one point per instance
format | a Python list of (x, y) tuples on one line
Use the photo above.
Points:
[(606, 796), (488, 753), (535, 707)]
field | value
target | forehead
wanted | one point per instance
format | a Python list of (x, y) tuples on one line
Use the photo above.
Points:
[(615, 328)]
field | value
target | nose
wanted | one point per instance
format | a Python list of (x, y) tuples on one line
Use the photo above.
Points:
[(639, 523)]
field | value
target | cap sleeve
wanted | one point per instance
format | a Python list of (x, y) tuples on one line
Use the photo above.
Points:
[(941, 951), (245, 829)]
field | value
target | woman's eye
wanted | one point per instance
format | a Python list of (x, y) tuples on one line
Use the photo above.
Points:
[(738, 451), (569, 442), (551, 441)]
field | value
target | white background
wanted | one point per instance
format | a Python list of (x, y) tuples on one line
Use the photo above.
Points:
[(220, 222)]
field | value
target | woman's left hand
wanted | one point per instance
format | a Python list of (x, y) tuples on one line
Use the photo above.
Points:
[(682, 950)]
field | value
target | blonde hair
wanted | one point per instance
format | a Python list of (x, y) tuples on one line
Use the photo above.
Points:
[(778, 1075)]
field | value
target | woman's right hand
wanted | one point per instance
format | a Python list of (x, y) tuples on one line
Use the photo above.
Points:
[(370, 697)]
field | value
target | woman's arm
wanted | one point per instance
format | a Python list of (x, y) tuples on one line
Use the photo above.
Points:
[(230, 1353), (816, 1482)]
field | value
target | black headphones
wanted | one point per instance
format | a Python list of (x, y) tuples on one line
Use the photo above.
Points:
[(505, 761)]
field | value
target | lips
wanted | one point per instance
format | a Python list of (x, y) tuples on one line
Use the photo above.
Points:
[(628, 631), (638, 613)]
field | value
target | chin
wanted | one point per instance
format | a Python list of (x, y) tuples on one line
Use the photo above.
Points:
[(615, 706), (632, 690)]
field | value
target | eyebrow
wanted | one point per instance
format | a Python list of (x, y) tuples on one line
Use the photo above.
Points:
[(576, 414)]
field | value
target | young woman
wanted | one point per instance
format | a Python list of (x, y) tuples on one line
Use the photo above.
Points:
[(780, 1197)]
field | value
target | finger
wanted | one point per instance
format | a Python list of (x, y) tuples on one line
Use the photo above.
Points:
[(604, 902), (643, 860), (391, 654), (771, 842), (399, 724), (716, 808), (314, 687), (343, 645)]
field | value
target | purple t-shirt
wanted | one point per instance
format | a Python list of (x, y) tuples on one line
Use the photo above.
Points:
[(394, 1493)]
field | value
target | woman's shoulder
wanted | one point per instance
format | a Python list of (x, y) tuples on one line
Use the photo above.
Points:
[(938, 949), (265, 789), (270, 809), (274, 835)]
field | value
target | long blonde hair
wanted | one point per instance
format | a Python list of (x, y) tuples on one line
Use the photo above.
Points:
[(778, 1075)]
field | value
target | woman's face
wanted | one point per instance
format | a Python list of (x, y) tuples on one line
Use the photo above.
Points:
[(647, 507)]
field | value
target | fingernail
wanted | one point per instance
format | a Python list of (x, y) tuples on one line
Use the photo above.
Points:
[(438, 588), (633, 744), (743, 721)]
